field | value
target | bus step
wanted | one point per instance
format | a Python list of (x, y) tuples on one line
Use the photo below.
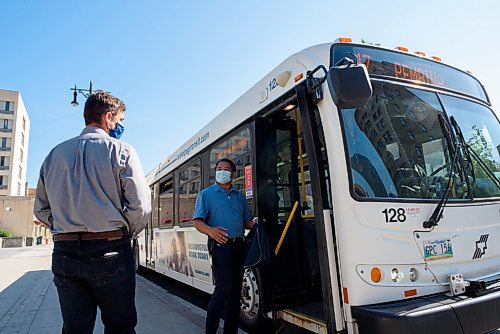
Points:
[(302, 320)]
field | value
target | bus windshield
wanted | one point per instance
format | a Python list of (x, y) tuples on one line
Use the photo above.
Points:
[(399, 146)]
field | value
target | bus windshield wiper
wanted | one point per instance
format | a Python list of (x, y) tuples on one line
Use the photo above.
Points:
[(460, 138), (437, 214), (469, 151)]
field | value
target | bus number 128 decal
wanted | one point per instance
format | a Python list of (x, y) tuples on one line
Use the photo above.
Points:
[(393, 215)]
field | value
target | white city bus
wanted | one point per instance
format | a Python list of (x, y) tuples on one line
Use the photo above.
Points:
[(392, 202)]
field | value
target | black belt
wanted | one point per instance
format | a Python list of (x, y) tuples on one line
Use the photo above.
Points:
[(234, 240), (108, 235)]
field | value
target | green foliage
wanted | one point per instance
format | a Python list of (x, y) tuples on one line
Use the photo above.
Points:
[(5, 233), (484, 148)]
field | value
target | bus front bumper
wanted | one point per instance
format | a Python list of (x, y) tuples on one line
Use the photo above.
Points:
[(431, 314)]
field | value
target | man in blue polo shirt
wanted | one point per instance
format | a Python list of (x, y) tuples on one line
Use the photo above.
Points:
[(222, 213)]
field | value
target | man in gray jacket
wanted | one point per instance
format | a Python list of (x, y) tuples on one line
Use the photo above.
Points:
[(93, 195)]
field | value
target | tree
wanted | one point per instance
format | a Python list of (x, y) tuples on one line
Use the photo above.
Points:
[(5, 233), (484, 149)]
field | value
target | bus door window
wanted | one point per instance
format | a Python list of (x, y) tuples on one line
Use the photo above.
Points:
[(304, 177), (306, 199), (188, 188), (285, 175), (237, 147), (166, 208), (308, 222), (277, 187)]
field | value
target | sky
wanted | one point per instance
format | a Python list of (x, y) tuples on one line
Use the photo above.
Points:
[(177, 64)]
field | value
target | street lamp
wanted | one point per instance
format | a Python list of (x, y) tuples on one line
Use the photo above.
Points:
[(84, 92)]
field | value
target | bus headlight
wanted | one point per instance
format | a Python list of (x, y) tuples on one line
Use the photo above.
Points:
[(396, 275), (413, 274), (407, 275)]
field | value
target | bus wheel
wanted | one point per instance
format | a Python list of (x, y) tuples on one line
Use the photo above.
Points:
[(251, 311)]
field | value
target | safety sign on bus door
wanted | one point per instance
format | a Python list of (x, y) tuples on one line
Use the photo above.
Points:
[(248, 181)]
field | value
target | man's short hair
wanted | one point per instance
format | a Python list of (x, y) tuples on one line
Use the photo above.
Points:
[(230, 162), (100, 103)]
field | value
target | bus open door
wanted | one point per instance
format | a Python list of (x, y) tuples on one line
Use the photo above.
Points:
[(297, 286)]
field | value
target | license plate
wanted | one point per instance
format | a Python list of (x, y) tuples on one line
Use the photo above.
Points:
[(437, 249)]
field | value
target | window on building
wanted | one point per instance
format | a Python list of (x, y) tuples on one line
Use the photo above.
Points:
[(377, 113), (7, 125), (21, 155), (4, 179), (418, 150), (6, 143), (6, 106), (22, 139), (18, 189), (411, 136), (20, 172), (24, 123), (4, 161)]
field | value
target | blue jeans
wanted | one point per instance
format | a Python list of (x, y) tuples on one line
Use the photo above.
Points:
[(95, 273), (227, 266)]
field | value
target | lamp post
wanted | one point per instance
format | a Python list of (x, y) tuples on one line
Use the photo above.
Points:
[(84, 92)]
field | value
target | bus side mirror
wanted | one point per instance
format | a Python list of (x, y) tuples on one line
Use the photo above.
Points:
[(349, 85)]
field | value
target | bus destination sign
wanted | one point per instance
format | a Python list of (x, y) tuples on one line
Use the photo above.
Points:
[(409, 71), (382, 63)]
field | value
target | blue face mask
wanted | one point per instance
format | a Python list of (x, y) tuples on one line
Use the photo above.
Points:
[(222, 176), (117, 131)]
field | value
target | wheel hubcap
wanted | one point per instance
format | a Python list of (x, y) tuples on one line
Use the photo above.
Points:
[(250, 295)]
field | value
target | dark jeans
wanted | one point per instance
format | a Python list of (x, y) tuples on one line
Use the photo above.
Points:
[(95, 273), (227, 265)]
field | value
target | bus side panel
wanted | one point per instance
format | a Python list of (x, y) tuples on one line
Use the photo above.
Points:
[(183, 254)]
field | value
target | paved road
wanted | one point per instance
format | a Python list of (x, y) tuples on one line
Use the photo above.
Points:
[(28, 299)]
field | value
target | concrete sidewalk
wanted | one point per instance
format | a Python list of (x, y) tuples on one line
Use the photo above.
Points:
[(29, 304)]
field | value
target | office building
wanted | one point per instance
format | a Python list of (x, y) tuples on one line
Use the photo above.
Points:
[(14, 138)]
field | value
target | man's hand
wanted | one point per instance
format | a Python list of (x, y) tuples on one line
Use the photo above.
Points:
[(219, 234), (249, 224)]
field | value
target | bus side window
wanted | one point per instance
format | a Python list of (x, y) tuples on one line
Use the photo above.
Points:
[(188, 189), (155, 207), (166, 209)]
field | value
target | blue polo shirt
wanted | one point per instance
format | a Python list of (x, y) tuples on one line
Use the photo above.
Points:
[(219, 207)]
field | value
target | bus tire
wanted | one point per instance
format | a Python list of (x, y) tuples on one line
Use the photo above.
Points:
[(251, 314)]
